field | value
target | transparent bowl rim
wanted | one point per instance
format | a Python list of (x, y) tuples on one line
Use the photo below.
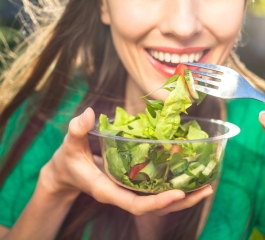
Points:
[(233, 130)]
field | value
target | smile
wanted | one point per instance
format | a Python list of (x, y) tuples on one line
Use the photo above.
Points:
[(166, 62), (175, 58)]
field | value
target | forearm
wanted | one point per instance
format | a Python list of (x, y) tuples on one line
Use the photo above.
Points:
[(43, 216)]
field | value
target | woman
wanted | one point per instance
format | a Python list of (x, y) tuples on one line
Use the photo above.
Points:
[(52, 181)]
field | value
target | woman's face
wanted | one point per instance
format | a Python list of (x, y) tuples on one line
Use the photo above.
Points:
[(152, 36)]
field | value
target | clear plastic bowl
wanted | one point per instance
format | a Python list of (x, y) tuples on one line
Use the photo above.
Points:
[(153, 166)]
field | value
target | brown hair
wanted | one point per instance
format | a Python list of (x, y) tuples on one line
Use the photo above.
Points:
[(79, 37)]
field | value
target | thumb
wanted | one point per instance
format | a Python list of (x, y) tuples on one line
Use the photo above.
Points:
[(81, 125), (262, 119)]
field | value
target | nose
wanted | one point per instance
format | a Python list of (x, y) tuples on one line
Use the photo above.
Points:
[(180, 19)]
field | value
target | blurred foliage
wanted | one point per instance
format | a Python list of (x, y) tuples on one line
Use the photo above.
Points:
[(256, 235), (9, 31), (9, 38), (257, 8), (1, 5)]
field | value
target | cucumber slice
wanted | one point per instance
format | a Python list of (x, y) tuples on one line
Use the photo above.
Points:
[(209, 168), (179, 167), (193, 166), (184, 179), (190, 82), (180, 181), (190, 186), (197, 170)]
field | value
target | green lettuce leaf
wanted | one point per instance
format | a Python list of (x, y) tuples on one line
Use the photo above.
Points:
[(176, 102), (153, 105), (122, 117), (195, 133), (137, 126), (154, 171), (169, 85), (139, 153), (126, 159), (115, 163), (201, 97), (105, 126), (159, 154)]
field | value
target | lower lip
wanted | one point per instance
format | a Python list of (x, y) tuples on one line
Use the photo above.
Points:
[(166, 70)]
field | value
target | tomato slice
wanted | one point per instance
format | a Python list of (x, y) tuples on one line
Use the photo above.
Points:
[(180, 69), (135, 169), (175, 149)]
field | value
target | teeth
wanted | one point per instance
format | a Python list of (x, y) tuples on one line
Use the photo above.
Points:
[(156, 54), (184, 58), (196, 57), (191, 57), (161, 56), (176, 58), (167, 57)]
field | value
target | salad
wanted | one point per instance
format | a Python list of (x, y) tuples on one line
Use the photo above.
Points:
[(156, 167)]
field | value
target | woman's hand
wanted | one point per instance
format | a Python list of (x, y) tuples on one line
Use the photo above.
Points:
[(73, 169), (262, 119)]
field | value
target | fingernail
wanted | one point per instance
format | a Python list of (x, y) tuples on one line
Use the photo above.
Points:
[(82, 117), (182, 195), (262, 116), (210, 189)]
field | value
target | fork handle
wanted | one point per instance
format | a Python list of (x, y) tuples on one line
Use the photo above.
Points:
[(258, 95), (252, 92)]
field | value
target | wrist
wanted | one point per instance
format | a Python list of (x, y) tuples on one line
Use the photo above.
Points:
[(49, 184)]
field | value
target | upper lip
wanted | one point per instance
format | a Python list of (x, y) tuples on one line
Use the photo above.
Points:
[(177, 50)]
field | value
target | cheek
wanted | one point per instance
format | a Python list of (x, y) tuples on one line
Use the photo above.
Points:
[(132, 19), (226, 24)]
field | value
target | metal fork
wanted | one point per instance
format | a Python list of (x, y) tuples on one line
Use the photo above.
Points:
[(225, 83)]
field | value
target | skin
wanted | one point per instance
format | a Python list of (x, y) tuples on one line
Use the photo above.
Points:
[(135, 25)]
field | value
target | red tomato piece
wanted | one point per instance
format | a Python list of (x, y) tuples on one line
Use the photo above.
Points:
[(175, 148), (135, 169), (180, 69)]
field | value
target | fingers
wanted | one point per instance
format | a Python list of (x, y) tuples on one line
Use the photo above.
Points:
[(145, 204), (262, 119), (160, 204), (187, 202), (106, 191), (80, 126)]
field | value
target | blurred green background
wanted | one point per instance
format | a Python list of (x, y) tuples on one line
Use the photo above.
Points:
[(251, 49), (257, 8)]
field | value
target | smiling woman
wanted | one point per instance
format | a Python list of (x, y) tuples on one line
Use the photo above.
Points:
[(103, 54)]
